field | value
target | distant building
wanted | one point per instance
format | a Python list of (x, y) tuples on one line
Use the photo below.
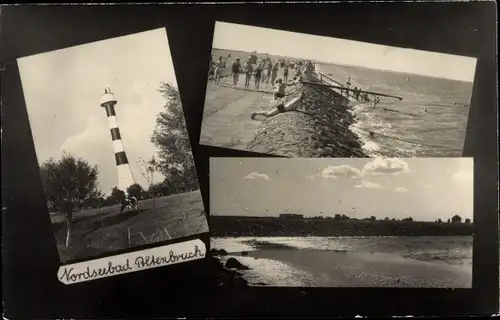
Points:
[(291, 216)]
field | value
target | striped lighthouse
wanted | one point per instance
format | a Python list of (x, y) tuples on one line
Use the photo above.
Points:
[(125, 178)]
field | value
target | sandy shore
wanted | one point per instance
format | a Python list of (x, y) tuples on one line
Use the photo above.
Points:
[(318, 128), (349, 269)]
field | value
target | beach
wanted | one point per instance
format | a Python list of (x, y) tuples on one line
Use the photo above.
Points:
[(316, 129), (428, 262), (430, 120)]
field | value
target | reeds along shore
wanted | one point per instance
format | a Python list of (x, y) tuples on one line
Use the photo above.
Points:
[(319, 127), (237, 226)]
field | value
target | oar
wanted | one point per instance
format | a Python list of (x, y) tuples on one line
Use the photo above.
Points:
[(348, 89)]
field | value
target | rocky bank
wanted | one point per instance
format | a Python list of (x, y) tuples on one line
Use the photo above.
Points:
[(226, 275), (318, 128)]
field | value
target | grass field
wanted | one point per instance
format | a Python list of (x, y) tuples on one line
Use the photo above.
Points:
[(106, 230)]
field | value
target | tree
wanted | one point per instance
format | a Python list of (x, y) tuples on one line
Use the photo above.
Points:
[(373, 218), (467, 221), (148, 170), (160, 188), (94, 201), (456, 219), (338, 217), (145, 195), (68, 182), (171, 138), (386, 219), (439, 220), (135, 190), (116, 196)]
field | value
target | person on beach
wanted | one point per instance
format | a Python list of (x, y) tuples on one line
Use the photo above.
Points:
[(269, 68), (258, 75), (285, 73), (235, 70), (248, 68), (211, 70), (279, 89), (298, 73), (219, 68), (279, 107), (356, 93), (262, 65), (274, 72)]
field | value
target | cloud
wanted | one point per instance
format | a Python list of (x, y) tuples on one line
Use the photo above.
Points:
[(382, 165), (369, 184), (256, 175), (342, 171), (401, 190)]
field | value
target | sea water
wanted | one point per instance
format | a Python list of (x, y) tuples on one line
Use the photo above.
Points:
[(442, 251), (403, 128)]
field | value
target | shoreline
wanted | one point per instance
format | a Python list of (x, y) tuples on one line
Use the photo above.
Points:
[(315, 268), (319, 127), (369, 270)]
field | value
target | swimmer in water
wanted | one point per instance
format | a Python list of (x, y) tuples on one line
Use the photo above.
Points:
[(425, 110)]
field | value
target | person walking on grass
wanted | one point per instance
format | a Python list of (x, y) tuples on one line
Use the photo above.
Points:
[(258, 75), (248, 72), (235, 70)]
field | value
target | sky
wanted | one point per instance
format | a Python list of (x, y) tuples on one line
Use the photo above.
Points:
[(425, 189), (62, 89), (341, 51)]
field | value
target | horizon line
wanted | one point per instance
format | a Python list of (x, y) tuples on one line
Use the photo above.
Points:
[(352, 65), (333, 217)]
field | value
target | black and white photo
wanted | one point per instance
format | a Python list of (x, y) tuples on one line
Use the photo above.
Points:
[(112, 145), (290, 94), (344, 222)]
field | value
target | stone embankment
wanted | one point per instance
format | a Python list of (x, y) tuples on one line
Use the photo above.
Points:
[(319, 127)]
